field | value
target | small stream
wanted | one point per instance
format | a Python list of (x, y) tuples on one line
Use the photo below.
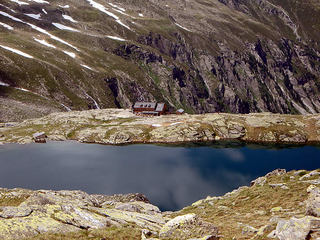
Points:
[(172, 177)]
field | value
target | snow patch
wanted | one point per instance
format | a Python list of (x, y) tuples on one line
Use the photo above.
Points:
[(19, 2), (11, 17), (183, 27), (123, 13), (116, 38), (69, 18), (102, 8), (35, 16), (44, 11), (86, 66), (39, 1), (44, 42), (39, 30), (176, 123), (94, 101), (63, 27), (140, 15), (4, 84), (16, 51), (65, 6), (6, 26), (52, 36), (25, 90), (7, 8), (121, 23), (71, 54), (67, 108), (116, 6)]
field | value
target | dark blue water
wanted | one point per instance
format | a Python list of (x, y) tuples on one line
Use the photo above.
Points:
[(171, 177)]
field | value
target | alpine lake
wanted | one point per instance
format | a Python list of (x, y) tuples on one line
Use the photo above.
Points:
[(171, 176)]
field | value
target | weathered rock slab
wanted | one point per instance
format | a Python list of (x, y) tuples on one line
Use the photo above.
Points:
[(188, 226)]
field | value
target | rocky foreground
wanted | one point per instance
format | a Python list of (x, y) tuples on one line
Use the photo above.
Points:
[(281, 205), (118, 126)]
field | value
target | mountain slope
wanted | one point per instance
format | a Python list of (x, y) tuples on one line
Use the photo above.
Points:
[(235, 56)]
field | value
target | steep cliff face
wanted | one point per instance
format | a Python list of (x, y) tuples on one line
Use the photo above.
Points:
[(234, 56)]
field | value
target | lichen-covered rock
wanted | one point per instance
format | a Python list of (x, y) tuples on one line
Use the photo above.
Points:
[(119, 138), (66, 211), (11, 212), (276, 172), (152, 222), (139, 207), (293, 229), (260, 181), (236, 131), (313, 202), (277, 209), (19, 228), (80, 218), (247, 229), (44, 197), (128, 207), (188, 226), (293, 136), (311, 174)]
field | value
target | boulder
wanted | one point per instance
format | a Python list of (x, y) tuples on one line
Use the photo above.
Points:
[(139, 207), (258, 182), (12, 212), (293, 136), (293, 229), (151, 222), (29, 226), (39, 137), (78, 217), (128, 207), (188, 226), (276, 172), (147, 234), (236, 131), (278, 185), (119, 138), (313, 202), (277, 209), (311, 174)]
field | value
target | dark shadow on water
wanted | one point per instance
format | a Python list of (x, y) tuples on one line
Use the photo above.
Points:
[(238, 144)]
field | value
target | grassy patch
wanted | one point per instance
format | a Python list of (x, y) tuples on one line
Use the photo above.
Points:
[(127, 232), (252, 206)]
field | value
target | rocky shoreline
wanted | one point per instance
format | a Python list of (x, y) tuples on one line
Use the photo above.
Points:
[(119, 126), (280, 205)]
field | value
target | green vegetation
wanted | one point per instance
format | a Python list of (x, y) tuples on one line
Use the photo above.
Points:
[(129, 232), (255, 203)]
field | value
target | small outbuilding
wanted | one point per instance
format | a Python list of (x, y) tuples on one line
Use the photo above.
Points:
[(40, 137), (180, 111)]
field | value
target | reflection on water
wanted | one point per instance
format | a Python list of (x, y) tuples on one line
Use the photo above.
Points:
[(171, 177)]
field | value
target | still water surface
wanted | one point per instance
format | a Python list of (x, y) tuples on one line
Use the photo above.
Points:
[(171, 177)]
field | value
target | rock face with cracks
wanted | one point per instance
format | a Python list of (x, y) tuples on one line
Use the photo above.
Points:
[(47, 211)]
